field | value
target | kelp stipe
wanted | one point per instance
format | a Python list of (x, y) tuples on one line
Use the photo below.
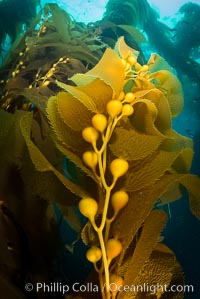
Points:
[(115, 125)]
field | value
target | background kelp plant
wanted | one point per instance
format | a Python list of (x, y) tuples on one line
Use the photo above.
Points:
[(113, 127)]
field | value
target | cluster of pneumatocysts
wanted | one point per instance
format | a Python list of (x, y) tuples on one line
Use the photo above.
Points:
[(131, 65), (103, 126), (98, 135)]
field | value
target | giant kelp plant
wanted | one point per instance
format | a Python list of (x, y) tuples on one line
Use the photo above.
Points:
[(109, 114), (120, 113), (115, 126)]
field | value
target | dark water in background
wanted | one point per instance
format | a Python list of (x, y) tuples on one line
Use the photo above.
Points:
[(182, 233)]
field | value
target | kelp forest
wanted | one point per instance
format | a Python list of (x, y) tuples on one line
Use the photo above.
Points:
[(90, 160)]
